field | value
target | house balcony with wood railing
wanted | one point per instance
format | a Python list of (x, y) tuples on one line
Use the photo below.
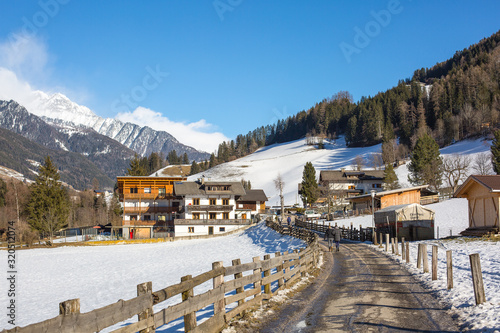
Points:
[(145, 196), (209, 208), (151, 210), (212, 222)]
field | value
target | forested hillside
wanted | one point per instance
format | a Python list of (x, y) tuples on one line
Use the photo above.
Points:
[(453, 100)]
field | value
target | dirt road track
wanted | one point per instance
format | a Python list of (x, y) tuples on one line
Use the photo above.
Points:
[(362, 290)]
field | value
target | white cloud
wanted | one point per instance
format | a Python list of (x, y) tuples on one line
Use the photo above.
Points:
[(11, 87), (195, 134), (26, 55)]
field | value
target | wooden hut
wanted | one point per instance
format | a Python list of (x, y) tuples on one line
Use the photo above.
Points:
[(483, 195), (411, 221)]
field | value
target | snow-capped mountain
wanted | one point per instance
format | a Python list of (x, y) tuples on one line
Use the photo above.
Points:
[(59, 110), (108, 155)]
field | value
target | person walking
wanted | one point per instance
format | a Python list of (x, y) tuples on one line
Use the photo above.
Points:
[(329, 235), (337, 235), (289, 220)]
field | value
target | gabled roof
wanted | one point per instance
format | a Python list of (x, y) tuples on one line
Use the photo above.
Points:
[(383, 193), (254, 195), (336, 175), (491, 182)]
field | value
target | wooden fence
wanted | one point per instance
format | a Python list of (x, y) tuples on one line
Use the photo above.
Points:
[(361, 234), (236, 288)]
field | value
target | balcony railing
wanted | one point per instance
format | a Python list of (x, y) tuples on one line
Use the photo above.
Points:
[(207, 208), (213, 222), (150, 210)]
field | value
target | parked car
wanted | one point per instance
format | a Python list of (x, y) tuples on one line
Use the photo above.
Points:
[(311, 214)]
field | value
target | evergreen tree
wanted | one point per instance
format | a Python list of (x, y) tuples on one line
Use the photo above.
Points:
[(185, 159), (3, 191), (309, 191), (48, 205), (495, 152), (426, 165), (194, 168), (390, 178), (136, 168)]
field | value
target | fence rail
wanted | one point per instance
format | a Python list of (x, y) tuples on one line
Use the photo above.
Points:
[(361, 234), (250, 285)]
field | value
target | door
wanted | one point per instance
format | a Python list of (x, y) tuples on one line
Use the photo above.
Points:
[(210, 230), (244, 216)]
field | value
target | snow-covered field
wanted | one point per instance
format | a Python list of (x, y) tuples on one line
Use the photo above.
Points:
[(102, 275), (288, 159)]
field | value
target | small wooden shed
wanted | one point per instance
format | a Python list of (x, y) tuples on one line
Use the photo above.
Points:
[(483, 195), (411, 221)]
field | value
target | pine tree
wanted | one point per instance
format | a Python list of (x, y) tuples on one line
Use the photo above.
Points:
[(3, 192), (194, 168), (48, 206), (495, 152), (426, 166), (185, 159), (309, 190), (136, 168), (390, 178)]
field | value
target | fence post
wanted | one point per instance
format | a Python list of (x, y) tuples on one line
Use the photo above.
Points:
[(449, 269), (267, 287), (257, 285), (302, 264), (477, 278), (279, 270), (239, 290), (419, 255), (375, 238), (434, 262), (68, 307), (287, 269), (381, 240), (189, 318), (386, 242), (396, 245), (392, 245), (146, 288), (407, 250), (403, 252), (426, 258), (219, 306)]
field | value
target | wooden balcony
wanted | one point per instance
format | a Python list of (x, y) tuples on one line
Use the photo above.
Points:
[(212, 222), (145, 196), (150, 210), (209, 208)]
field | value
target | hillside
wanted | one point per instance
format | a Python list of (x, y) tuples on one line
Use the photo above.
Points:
[(288, 159), (24, 156)]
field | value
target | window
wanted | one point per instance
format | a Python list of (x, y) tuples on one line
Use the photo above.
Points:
[(212, 216), (377, 185), (222, 229), (196, 216), (133, 190), (213, 202), (147, 217), (161, 191), (133, 217), (191, 230), (147, 190), (196, 201), (225, 202), (225, 216)]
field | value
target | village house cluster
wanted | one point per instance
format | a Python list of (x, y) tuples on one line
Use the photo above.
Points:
[(158, 206)]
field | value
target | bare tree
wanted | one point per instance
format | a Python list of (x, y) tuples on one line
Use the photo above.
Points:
[(455, 169), (358, 163), (482, 164), (377, 161), (279, 184)]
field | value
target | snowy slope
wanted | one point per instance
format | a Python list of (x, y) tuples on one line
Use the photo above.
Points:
[(102, 275), (288, 159)]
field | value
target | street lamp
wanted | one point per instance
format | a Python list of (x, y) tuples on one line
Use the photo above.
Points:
[(373, 215)]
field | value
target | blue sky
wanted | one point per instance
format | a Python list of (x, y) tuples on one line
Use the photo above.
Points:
[(225, 67)]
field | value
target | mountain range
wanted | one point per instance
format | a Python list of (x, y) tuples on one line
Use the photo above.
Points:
[(63, 127)]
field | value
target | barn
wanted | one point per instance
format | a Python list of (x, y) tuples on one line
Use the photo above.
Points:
[(411, 221), (483, 196)]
